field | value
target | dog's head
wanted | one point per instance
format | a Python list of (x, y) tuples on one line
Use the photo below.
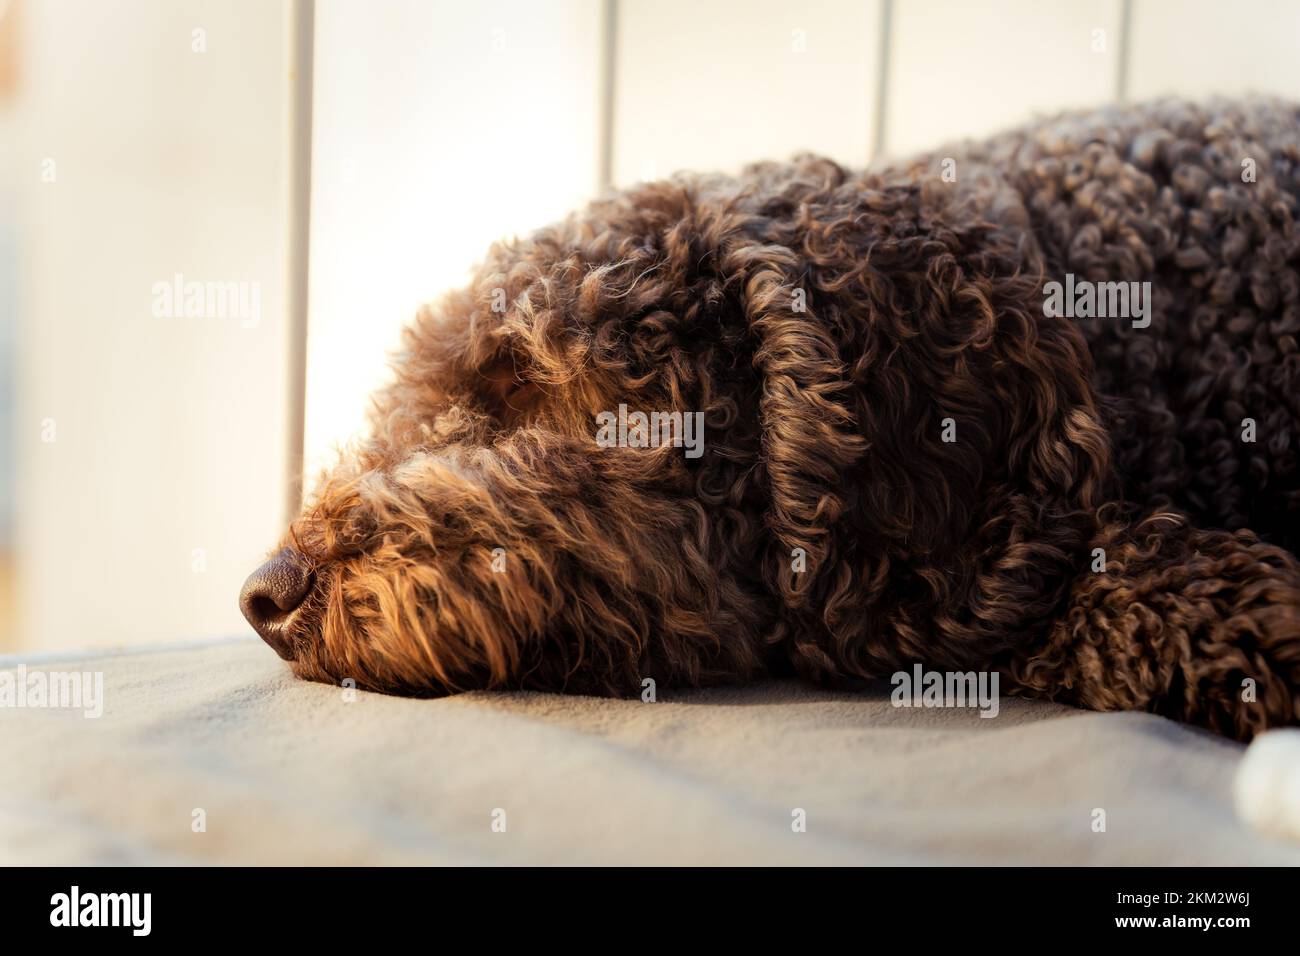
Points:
[(391, 577), (412, 570), (536, 560)]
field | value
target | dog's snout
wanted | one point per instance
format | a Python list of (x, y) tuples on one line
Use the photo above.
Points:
[(271, 596)]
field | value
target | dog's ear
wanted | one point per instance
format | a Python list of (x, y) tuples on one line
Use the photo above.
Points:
[(930, 437), (811, 439)]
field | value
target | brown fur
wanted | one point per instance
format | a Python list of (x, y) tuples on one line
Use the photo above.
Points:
[(924, 301)]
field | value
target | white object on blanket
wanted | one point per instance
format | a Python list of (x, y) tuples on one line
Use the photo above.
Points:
[(1267, 787)]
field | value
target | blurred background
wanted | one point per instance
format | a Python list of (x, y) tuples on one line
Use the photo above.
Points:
[(151, 443)]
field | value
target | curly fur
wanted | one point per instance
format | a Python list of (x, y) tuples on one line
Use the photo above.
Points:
[(921, 300)]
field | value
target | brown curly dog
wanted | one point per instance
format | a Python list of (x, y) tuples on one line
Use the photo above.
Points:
[(911, 452)]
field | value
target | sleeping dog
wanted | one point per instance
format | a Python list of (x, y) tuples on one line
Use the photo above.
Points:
[(916, 449)]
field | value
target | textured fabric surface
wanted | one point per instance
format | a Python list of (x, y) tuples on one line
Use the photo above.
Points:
[(292, 772)]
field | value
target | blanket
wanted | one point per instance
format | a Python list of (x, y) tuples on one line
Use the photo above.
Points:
[(214, 754)]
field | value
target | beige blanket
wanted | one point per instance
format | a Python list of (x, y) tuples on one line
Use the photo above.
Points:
[(214, 754)]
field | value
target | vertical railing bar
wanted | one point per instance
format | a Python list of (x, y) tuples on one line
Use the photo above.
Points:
[(1125, 50), (879, 135), (302, 25), (609, 73)]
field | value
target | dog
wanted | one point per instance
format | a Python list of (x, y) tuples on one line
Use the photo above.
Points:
[(1027, 406)]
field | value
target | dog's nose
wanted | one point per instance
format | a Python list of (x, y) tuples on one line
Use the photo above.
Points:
[(272, 594)]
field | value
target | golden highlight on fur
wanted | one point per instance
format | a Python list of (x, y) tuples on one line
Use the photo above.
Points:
[(831, 327)]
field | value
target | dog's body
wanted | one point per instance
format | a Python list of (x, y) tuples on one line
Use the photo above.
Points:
[(907, 459)]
